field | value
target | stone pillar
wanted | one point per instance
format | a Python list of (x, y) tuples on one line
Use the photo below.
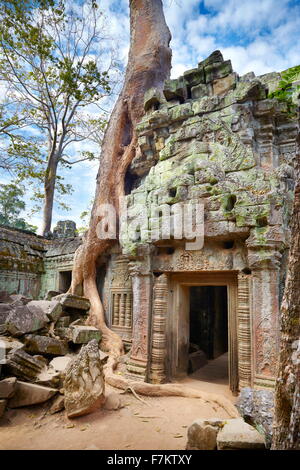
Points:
[(121, 299), (244, 331), (158, 343), (265, 316), (141, 277)]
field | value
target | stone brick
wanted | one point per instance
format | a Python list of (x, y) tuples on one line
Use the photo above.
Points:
[(73, 301), (238, 435), (21, 320), (7, 387), (83, 334), (223, 85), (30, 394), (45, 345)]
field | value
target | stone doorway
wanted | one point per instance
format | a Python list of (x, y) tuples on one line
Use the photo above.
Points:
[(64, 280), (208, 335), (210, 291)]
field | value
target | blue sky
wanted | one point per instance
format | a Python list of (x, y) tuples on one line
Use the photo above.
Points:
[(257, 35)]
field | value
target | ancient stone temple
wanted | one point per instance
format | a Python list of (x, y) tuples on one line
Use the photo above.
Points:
[(213, 140)]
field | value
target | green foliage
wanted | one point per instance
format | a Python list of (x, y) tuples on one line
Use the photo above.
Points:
[(50, 55), (85, 218), (288, 90), (11, 204)]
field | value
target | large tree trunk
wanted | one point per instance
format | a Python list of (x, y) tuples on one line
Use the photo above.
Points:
[(49, 188), (149, 65), (286, 434)]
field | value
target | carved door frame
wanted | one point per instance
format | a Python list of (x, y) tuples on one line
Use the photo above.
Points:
[(178, 320)]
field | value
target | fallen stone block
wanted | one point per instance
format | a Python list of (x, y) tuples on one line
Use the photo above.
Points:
[(73, 301), (18, 299), (10, 344), (51, 308), (5, 310), (49, 378), (84, 382), (50, 294), (24, 366), (22, 320), (236, 434), (7, 387), (202, 434), (63, 333), (63, 322), (30, 394), (83, 334), (257, 408), (45, 345), (3, 329), (59, 364), (2, 407), (58, 405)]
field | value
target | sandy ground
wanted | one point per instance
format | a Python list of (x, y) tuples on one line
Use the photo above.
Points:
[(160, 424)]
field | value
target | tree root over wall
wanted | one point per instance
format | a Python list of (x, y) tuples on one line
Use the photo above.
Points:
[(149, 65)]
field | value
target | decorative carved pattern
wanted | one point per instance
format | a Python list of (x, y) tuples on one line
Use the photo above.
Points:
[(244, 331), (121, 308), (121, 296), (160, 309), (121, 276), (142, 292)]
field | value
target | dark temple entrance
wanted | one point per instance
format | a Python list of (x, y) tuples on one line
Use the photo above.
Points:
[(65, 279), (208, 335)]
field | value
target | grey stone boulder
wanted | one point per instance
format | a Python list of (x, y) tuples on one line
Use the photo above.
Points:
[(202, 434), (257, 408), (23, 365), (73, 301), (30, 394), (84, 385), (22, 320), (45, 345), (7, 387), (238, 435), (51, 308), (2, 407), (82, 334)]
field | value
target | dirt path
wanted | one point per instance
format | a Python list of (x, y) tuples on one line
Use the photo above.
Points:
[(160, 425)]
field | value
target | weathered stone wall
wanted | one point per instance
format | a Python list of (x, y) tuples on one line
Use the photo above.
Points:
[(21, 262), (58, 259), (31, 264), (215, 138)]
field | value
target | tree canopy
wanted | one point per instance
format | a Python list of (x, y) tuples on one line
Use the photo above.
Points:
[(55, 64)]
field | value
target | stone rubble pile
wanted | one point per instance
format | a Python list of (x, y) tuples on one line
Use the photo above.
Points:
[(221, 434), (46, 350)]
